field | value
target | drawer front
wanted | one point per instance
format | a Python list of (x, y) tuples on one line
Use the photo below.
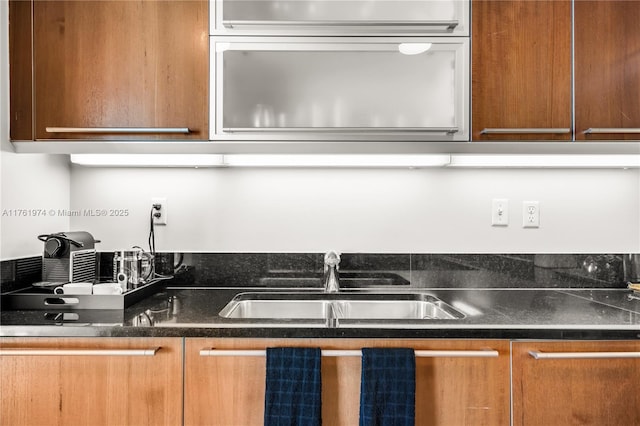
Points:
[(97, 381), (456, 384), (566, 382)]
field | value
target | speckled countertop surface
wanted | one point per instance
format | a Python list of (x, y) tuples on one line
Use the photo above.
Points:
[(490, 313), (502, 296)]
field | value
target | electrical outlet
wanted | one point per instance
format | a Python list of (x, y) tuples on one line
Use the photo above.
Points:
[(159, 206), (530, 214), (500, 212)]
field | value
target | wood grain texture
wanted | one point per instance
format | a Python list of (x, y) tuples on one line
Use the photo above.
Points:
[(20, 70), (575, 392), (91, 390), (449, 391), (521, 67), (607, 69), (121, 64)]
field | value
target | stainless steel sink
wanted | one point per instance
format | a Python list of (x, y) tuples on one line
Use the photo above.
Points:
[(338, 306)]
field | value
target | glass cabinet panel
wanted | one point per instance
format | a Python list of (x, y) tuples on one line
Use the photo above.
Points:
[(410, 89), (340, 17)]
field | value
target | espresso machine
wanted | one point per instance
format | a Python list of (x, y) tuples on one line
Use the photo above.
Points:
[(69, 257)]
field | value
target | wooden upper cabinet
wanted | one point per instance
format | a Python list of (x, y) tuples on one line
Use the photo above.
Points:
[(121, 64), (20, 65), (521, 70), (574, 386), (607, 69)]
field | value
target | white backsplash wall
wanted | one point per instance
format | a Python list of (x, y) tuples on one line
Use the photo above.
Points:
[(383, 211), (33, 199), (27, 182)]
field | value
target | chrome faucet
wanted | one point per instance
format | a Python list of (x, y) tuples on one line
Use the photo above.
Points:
[(331, 276)]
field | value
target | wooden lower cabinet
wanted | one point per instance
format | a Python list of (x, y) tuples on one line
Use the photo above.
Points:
[(579, 389), (44, 387), (450, 391), (41, 385)]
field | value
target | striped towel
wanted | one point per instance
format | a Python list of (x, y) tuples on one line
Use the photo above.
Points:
[(388, 387), (293, 393)]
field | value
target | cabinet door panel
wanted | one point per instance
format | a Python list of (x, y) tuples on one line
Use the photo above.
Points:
[(91, 389), (20, 65), (115, 64), (575, 391), (521, 70), (607, 69), (318, 88), (449, 391)]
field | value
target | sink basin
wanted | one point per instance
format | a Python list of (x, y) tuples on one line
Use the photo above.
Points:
[(339, 306)]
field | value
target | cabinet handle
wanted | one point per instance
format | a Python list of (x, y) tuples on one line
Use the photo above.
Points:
[(162, 130), (488, 353), (447, 130), (507, 131), (594, 130), (79, 352), (448, 25), (583, 355)]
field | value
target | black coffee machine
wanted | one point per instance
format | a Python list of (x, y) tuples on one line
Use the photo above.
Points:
[(69, 257)]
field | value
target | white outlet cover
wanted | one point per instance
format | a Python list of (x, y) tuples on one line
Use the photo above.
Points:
[(500, 212), (530, 214)]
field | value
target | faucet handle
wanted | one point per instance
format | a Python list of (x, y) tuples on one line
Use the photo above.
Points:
[(331, 258)]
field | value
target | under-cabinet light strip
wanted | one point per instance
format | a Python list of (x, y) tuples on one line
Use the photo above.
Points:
[(148, 160), (489, 353), (356, 161), (335, 160), (545, 161), (261, 160)]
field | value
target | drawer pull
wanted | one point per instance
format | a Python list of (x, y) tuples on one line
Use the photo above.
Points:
[(447, 25), (583, 355), (122, 130), (447, 130), (594, 130), (507, 131), (489, 353), (79, 352)]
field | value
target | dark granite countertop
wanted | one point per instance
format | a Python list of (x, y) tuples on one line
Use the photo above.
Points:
[(490, 313), (502, 297)]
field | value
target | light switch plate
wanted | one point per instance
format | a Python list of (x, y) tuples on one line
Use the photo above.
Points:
[(500, 212)]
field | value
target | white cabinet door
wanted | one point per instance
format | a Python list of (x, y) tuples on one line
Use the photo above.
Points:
[(340, 17), (356, 88)]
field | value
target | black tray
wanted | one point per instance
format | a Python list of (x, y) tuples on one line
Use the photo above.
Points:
[(44, 299)]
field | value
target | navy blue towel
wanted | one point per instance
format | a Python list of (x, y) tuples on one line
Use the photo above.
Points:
[(293, 392), (388, 387)]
